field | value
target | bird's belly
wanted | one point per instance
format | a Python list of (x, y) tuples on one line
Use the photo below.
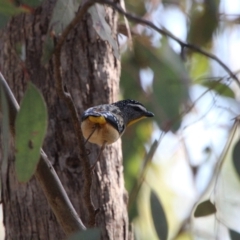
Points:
[(104, 133)]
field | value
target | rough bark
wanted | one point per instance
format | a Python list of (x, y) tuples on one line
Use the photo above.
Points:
[(91, 74)]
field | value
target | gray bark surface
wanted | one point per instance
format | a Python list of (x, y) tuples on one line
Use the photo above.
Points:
[(91, 74)]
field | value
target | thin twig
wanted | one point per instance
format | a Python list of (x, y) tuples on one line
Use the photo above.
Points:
[(68, 100), (169, 34)]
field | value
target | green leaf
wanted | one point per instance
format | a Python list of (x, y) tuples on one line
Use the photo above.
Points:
[(90, 234), (236, 157), (63, 13), (204, 209), (220, 88), (234, 235), (7, 10), (32, 3), (204, 21), (5, 129), (199, 66), (103, 29), (136, 7), (159, 217), (30, 126)]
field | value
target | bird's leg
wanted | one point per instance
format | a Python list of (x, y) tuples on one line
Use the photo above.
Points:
[(94, 129), (99, 155)]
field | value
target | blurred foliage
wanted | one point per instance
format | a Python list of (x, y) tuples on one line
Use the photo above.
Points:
[(166, 93), (158, 215), (10, 8), (137, 7), (7, 10), (198, 66), (31, 3), (220, 88), (204, 21)]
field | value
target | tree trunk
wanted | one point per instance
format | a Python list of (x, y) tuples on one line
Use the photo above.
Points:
[(91, 74)]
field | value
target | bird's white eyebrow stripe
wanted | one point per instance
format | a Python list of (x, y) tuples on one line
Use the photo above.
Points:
[(139, 106)]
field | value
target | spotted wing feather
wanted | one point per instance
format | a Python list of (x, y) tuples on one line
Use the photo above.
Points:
[(111, 118)]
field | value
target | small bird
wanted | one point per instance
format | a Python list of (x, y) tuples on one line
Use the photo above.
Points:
[(104, 124)]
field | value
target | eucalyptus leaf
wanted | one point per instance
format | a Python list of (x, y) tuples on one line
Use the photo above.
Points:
[(220, 88), (30, 127), (159, 217), (204, 209)]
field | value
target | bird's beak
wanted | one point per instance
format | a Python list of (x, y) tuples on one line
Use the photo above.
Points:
[(149, 114)]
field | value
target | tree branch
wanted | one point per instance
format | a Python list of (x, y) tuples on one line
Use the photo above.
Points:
[(169, 34), (45, 174), (74, 116)]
